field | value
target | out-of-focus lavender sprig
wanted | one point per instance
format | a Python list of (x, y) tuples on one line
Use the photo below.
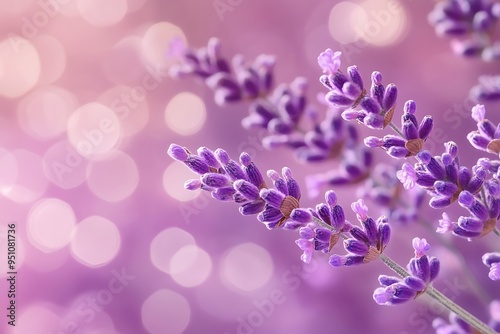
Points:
[(278, 110), (231, 81), (492, 260), (459, 326), (471, 24), (487, 89), (422, 271), (385, 190)]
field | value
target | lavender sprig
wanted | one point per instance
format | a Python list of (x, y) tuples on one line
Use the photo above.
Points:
[(240, 183), (423, 270), (470, 23)]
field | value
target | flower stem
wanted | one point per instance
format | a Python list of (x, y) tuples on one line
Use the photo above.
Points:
[(396, 129), (430, 290), (497, 231)]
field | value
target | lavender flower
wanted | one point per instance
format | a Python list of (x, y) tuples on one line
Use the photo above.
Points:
[(282, 202), (363, 244), (229, 83), (492, 260), (422, 269), (224, 178), (414, 135), (471, 21)]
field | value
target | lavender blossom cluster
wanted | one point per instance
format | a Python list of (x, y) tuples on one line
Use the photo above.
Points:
[(413, 171)]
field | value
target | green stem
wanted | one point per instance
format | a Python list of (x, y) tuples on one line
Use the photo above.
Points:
[(430, 290)]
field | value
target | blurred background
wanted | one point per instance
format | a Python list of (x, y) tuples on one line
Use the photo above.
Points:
[(108, 241)]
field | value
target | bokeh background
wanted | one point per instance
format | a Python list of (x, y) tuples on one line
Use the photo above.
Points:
[(108, 241)]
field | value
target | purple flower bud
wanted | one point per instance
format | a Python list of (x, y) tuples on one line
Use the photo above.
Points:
[(384, 233), (467, 200), (398, 152), (351, 90), (270, 217), (410, 130), (293, 186), (410, 107), (272, 197), (337, 260), (336, 99), (359, 234), (390, 96), (394, 294), (445, 188), (351, 115), (215, 180), (323, 235), (224, 194), (464, 176), (420, 267), (425, 128), (323, 212), (247, 189), (487, 128), (433, 166), (387, 280), (208, 156), (374, 121), (252, 208), (355, 76), (471, 224), (337, 218), (222, 80), (222, 156), (177, 152), (196, 164), (372, 142), (477, 140), (331, 198), (415, 283), (355, 246), (371, 230), (306, 232), (451, 148), (370, 105), (301, 215), (425, 180), (434, 267), (440, 202), (392, 140), (376, 78), (482, 21)]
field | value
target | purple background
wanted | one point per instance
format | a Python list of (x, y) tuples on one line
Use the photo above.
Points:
[(57, 58)]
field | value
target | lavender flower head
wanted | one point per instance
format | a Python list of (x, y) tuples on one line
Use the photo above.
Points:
[(422, 271), (487, 89)]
